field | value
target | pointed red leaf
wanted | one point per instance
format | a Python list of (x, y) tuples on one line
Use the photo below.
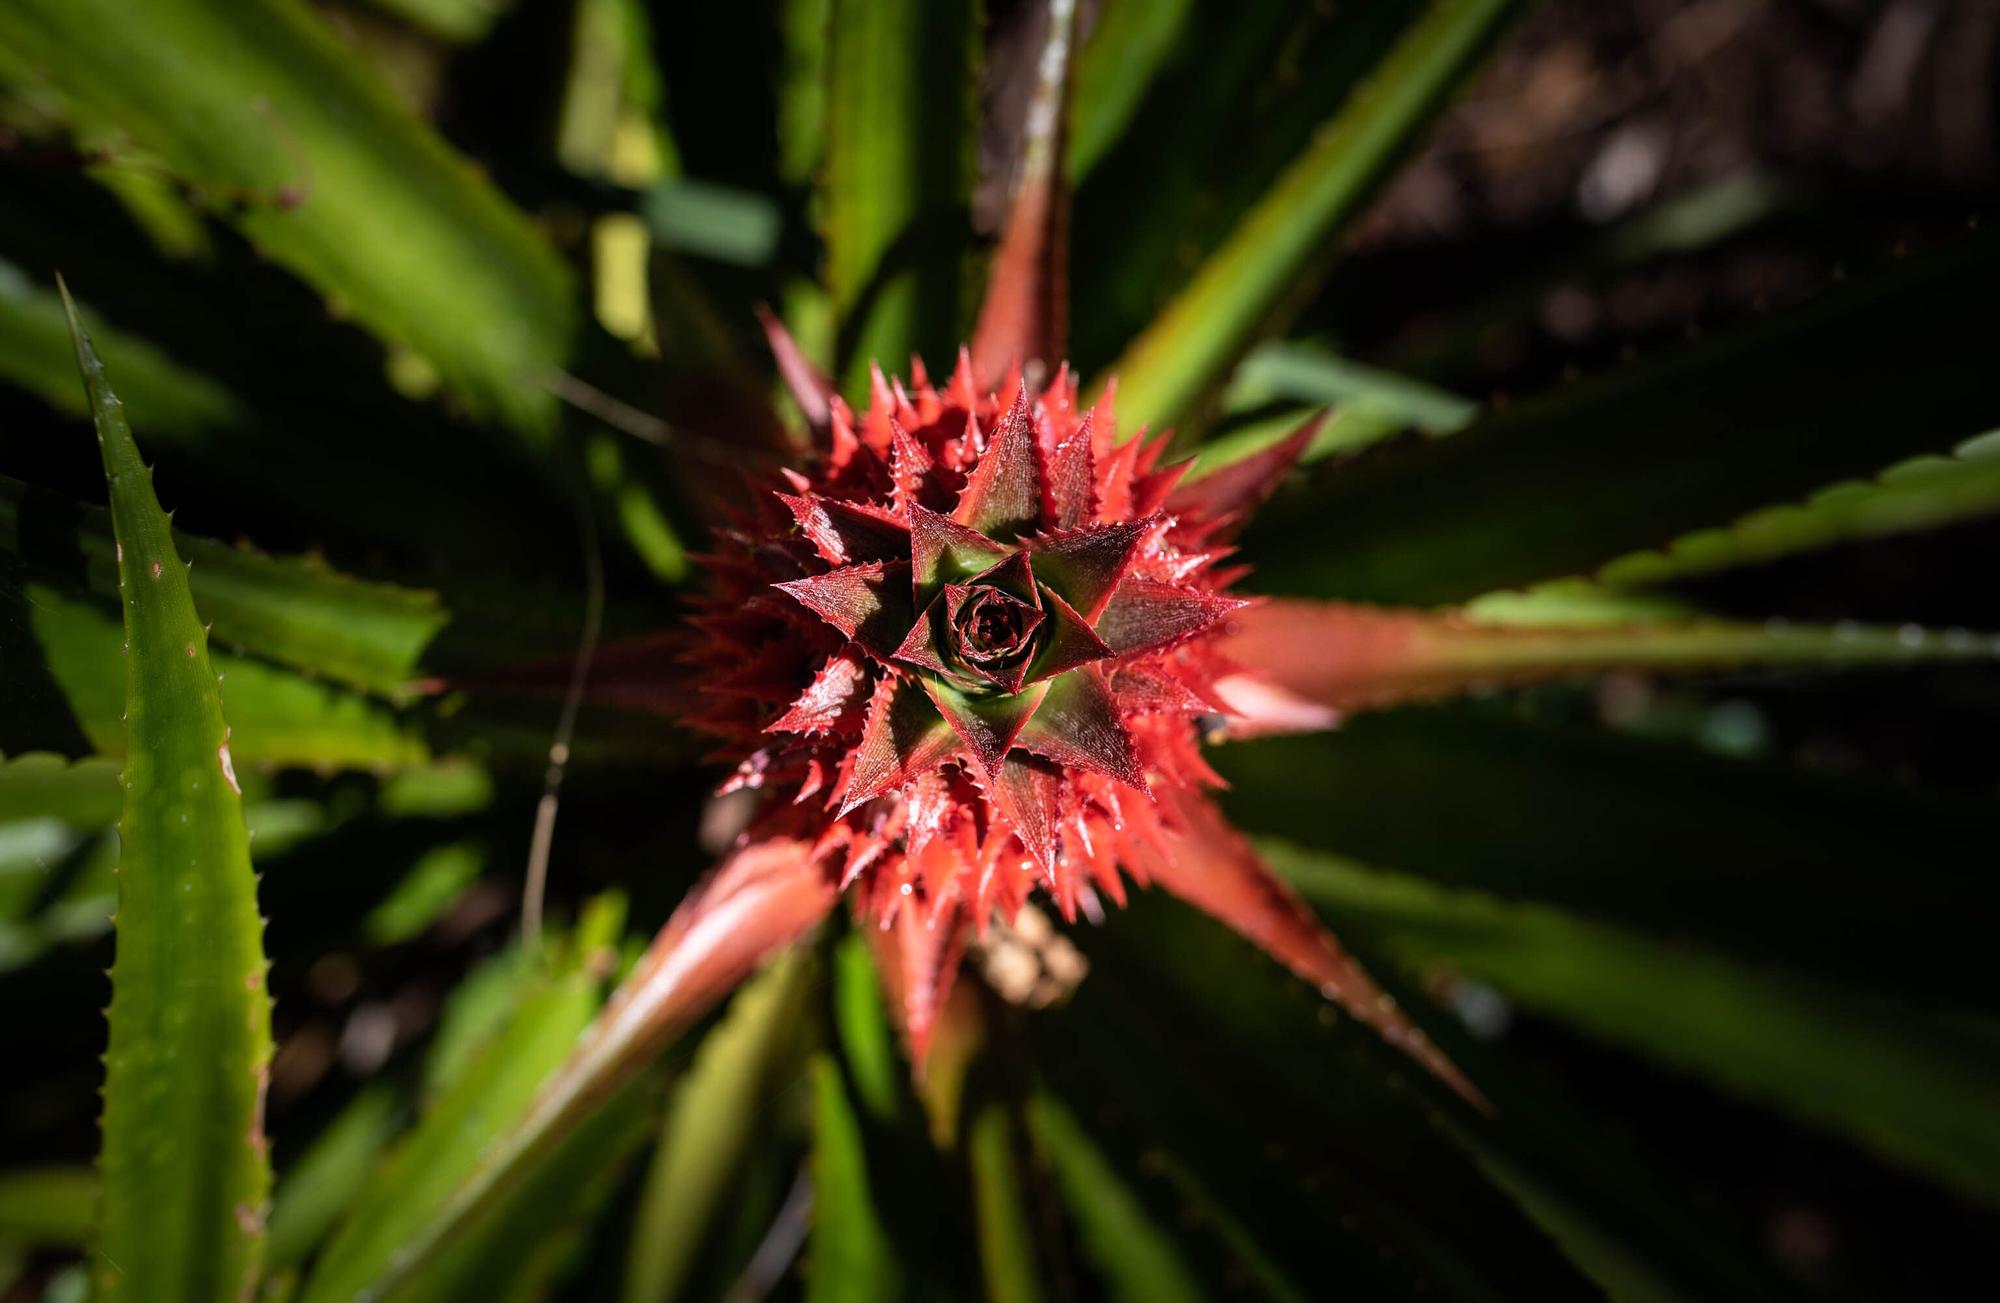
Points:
[(1078, 725), (1003, 497), (987, 725), (917, 959), (1028, 791), (1227, 496), (833, 701), (870, 603), (812, 391), (1070, 641), (848, 532), (944, 551), (1011, 574), (1025, 316), (1070, 489), (1145, 615), (1213, 867), (1085, 565), (904, 736), (910, 466)]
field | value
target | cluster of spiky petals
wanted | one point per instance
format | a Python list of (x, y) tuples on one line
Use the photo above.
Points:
[(969, 653)]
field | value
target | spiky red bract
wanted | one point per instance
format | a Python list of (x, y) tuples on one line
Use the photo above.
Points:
[(1000, 627)]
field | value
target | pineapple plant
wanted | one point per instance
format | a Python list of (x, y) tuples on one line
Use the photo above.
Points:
[(817, 678)]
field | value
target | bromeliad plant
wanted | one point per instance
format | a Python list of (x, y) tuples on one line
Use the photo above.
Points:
[(962, 655)]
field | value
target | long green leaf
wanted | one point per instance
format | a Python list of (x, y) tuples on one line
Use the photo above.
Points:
[(1704, 433), (1282, 242), (80, 794), (296, 612), (898, 169), (289, 134), (186, 1168), (53, 1207), (1005, 1225), (317, 1190), (448, 1142), (850, 1256), (1743, 857), (1838, 1057), (710, 1123), (166, 399), (1922, 493), (1136, 1256), (278, 716)]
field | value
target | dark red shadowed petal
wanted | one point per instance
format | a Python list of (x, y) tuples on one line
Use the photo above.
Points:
[(904, 736), (1230, 495), (1145, 615), (812, 391), (870, 603), (1070, 641), (1003, 497), (987, 725), (833, 702), (1025, 316), (848, 532), (917, 958), (1084, 566), (910, 466), (1078, 726), (1213, 867), (943, 551), (921, 648), (1006, 666), (1069, 491), (1014, 575), (1028, 791)]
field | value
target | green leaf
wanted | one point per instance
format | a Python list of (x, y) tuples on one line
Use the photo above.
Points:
[(52, 1207), (185, 1164), (80, 794), (850, 1255), (1275, 1106), (288, 134), (1922, 493), (898, 170), (1841, 1058), (1742, 857), (1007, 1253), (1127, 49), (1704, 433), (297, 612), (276, 716), (166, 399), (317, 1189), (1283, 241), (447, 1144), (712, 1118), (1138, 1258), (461, 21)]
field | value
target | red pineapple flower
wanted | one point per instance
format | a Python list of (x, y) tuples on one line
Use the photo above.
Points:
[(969, 653)]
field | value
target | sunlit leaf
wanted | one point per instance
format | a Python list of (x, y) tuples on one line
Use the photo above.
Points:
[(287, 133), (185, 1164)]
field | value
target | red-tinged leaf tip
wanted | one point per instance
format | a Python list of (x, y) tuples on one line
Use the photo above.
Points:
[(944, 551), (904, 736), (870, 603), (1029, 791), (987, 725), (1003, 496), (832, 703), (910, 467), (917, 959), (1078, 726), (812, 391), (1084, 566), (1070, 641), (1145, 615), (1024, 319), (1069, 488), (1213, 867), (1230, 494), (848, 532), (1012, 574)]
